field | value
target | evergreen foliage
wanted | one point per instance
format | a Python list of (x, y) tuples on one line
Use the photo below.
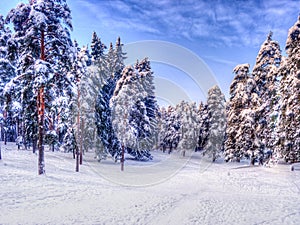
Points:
[(133, 107), (189, 126), (204, 126), (240, 133), (267, 81), (289, 125), (217, 123)]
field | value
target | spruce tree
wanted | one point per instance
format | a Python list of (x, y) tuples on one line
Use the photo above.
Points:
[(119, 57), (97, 48), (267, 80), (170, 129), (289, 125), (105, 80), (241, 140), (190, 127), (133, 106), (148, 121), (103, 116), (217, 123), (203, 126), (9, 113)]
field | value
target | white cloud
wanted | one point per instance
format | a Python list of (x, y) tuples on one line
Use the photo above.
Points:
[(238, 23), (221, 60)]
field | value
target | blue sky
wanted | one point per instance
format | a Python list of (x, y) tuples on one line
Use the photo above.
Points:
[(222, 33)]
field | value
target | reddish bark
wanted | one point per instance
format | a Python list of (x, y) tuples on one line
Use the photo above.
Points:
[(41, 115)]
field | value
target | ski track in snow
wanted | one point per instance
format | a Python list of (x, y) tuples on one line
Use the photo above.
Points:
[(212, 194)]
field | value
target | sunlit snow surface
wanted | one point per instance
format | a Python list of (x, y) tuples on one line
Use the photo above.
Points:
[(168, 190)]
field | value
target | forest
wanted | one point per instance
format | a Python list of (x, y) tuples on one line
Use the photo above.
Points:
[(78, 99)]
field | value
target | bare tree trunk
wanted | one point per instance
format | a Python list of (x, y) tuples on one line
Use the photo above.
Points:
[(5, 139), (41, 115), (80, 129), (77, 159), (34, 145), (78, 132), (122, 158), (41, 108), (81, 140), (5, 131)]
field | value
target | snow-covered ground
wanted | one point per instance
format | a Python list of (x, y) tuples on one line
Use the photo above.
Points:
[(168, 190)]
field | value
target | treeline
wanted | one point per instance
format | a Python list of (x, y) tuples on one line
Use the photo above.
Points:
[(188, 127), (262, 118), (77, 99), (263, 112), (55, 93)]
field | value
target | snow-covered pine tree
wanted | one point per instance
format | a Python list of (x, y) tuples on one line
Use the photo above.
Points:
[(64, 108), (267, 80), (7, 70), (161, 125), (203, 126), (78, 71), (109, 69), (119, 57), (190, 127), (133, 106), (121, 104), (273, 77), (102, 66), (289, 126), (115, 59), (90, 84), (105, 131), (110, 61), (97, 48), (147, 106), (8, 54), (170, 129), (217, 122), (42, 30), (241, 138)]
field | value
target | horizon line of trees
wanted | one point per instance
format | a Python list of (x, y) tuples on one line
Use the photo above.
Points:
[(54, 92)]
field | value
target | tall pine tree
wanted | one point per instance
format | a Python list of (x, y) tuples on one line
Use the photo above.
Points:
[(8, 55), (42, 29), (267, 80), (289, 125), (241, 140)]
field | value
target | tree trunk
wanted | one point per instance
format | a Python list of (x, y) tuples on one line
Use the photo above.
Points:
[(78, 132), (5, 139), (34, 145), (5, 131), (77, 159), (41, 115), (122, 158), (81, 140)]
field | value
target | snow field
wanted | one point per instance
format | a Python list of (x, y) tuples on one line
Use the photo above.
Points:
[(192, 191)]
